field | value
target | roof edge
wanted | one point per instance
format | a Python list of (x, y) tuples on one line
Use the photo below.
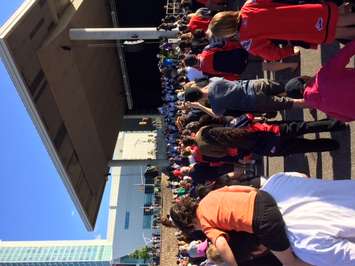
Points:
[(16, 17), (31, 109)]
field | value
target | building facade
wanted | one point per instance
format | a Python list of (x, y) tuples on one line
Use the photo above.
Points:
[(66, 253), (130, 217)]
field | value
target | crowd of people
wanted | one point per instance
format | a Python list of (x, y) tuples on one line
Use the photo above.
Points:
[(152, 178), (218, 126)]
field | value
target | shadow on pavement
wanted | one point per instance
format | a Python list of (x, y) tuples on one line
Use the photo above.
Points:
[(342, 157)]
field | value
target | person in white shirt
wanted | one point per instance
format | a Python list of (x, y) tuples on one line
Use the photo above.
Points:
[(319, 217), (193, 73)]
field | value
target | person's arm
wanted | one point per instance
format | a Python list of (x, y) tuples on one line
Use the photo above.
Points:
[(203, 108), (299, 103), (269, 51), (341, 59), (225, 251)]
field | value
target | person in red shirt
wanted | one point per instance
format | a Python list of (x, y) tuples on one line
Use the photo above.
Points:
[(261, 22), (228, 60), (199, 20)]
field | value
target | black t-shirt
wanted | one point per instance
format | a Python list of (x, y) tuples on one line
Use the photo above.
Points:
[(242, 244), (202, 172), (233, 61)]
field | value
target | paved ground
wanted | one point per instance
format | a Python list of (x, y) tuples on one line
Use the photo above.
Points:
[(169, 246), (327, 165)]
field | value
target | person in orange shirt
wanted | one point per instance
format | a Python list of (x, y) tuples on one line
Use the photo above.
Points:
[(237, 208)]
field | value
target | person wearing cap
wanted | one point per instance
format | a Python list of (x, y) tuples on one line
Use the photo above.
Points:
[(242, 96), (332, 89)]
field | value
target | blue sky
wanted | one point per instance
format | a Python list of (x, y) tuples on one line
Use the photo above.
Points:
[(34, 204)]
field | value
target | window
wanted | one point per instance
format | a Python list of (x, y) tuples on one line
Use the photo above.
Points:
[(59, 137), (36, 81), (126, 220), (147, 221), (148, 199)]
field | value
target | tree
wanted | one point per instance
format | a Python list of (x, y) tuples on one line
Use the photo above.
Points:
[(141, 254)]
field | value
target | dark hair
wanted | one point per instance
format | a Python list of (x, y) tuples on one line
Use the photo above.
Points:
[(193, 126), (203, 190), (186, 132), (193, 94), (190, 60), (183, 28), (183, 213), (180, 79), (295, 87), (231, 137), (199, 33), (185, 44), (188, 141)]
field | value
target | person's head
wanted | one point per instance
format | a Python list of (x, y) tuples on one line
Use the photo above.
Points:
[(186, 132), (186, 37), (181, 78), (191, 60), (183, 28), (203, 12), (166, 222), (193, 126), (198, 34), (186, 151), (225, 24), (203, 190), (296, 86), (185, 45), (185, 170), (188, 141), (183, 213), (193, 94), (213, 255)]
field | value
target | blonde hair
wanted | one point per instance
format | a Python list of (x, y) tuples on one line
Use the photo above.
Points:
[(213, 255), (224, 23)]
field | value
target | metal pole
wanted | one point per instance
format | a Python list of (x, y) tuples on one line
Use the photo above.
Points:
[(120, 33), (158, 162)]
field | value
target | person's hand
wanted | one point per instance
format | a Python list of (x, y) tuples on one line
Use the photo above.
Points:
[(296, 50), (238, 172), (192, 104)]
